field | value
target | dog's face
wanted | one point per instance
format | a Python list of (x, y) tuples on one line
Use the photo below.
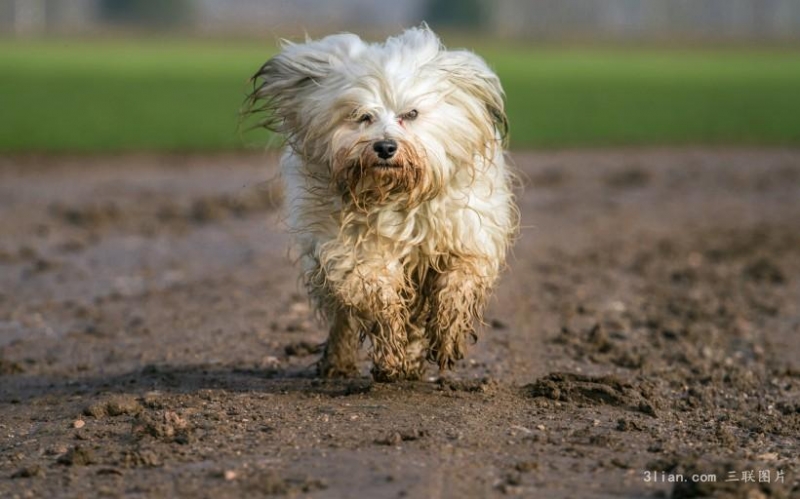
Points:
[(398, 118)]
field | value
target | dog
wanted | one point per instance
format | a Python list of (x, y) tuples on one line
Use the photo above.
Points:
[(399, 196)]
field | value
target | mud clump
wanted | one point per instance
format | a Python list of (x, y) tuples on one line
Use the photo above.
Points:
[(168, 426), (140, 458), (591, 390), (115, 406), (628, 425), (33, 471), (483, 385), (398, 437), (601, 346), (77, 456)]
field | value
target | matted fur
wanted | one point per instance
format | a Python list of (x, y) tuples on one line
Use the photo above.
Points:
[(403, 251)]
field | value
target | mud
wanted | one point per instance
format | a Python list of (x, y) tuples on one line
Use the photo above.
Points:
[(154, 340)]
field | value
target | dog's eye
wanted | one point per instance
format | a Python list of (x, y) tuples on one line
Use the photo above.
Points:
[(411, 115), (365, 118)]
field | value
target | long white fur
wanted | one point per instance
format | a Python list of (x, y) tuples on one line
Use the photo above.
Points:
[(409, 268)]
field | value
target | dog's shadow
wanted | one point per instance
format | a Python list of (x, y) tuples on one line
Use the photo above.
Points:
[(21, 388), (184, 379)]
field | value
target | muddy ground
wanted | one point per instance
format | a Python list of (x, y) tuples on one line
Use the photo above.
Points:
[(154, 341)]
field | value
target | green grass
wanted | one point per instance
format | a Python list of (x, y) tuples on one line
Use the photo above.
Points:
[(112, 96), (166, 95), (633, 97)]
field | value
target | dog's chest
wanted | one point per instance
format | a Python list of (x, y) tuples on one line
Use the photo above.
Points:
[(433, 229)]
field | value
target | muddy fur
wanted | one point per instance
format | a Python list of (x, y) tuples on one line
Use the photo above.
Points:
[(402, 250)]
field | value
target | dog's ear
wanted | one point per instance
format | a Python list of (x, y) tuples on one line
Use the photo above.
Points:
[(284, 85), (472, 76)]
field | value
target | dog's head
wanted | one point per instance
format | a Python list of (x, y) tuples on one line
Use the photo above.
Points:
[(397, 118)]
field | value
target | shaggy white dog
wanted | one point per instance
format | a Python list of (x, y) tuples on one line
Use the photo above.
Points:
[(398, 192)]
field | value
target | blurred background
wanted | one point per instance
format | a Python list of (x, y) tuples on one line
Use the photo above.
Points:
[(170, 75)]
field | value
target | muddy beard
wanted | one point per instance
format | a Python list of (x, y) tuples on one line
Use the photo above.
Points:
[(365, 180)]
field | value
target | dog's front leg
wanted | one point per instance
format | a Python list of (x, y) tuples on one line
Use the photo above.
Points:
[(371, 295), (457, 298), (341, 349)]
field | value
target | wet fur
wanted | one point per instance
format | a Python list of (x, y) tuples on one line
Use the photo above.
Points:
[(403, 254)]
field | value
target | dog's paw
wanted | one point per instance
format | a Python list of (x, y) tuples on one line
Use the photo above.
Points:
[(445, 357), (406, 373), (327, 369), (384, 375)]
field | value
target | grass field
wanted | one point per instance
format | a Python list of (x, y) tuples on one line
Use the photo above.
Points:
[(167, 95)]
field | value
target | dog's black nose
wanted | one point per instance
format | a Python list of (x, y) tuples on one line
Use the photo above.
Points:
[(385, 148)]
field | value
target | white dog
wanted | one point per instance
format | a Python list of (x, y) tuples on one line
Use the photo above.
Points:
[(398, 192)]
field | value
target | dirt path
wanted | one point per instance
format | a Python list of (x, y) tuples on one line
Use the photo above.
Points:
[(154, 342)]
